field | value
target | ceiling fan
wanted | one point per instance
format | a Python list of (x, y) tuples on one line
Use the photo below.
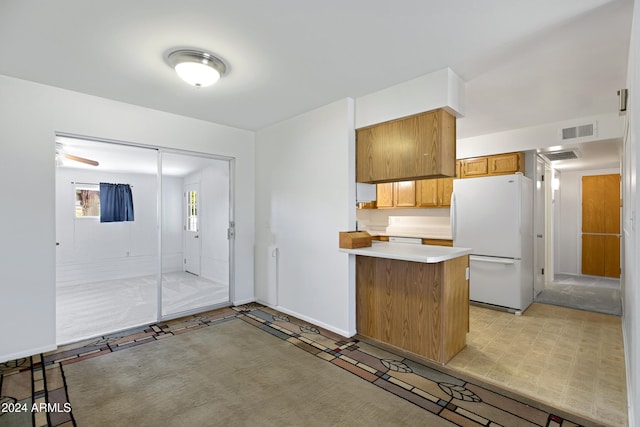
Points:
[(60, 152)]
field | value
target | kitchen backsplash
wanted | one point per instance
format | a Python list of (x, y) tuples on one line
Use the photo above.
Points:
[(425, 223)]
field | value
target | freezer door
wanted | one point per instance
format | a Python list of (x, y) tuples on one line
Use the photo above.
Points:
[(496, 281), (485, 215)]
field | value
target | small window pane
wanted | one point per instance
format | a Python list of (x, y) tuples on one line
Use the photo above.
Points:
[(192, 211), (87, 203)]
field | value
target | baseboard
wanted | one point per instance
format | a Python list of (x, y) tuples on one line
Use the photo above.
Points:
[(316, 322), (627, 360), (27, 353), (236, 303)]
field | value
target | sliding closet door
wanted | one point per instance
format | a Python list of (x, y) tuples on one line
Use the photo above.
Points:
[(107, 252), (195, 247)]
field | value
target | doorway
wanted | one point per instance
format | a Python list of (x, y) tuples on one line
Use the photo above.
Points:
[(192, 245), (196, 244), (572, 280), (122, 275)]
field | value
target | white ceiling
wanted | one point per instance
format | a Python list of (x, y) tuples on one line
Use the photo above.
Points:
[(525, 62)]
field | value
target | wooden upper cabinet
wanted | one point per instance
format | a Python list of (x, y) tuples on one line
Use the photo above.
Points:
[(410, 148), (475, 167), (501, 164), (498, 164), (434, 193), (445, 189), (427, 193), (396, 194), (384, 195), (405, 194)]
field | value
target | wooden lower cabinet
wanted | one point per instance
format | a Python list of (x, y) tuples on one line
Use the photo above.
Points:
[(384, 195), (417, 307), (437, 242)]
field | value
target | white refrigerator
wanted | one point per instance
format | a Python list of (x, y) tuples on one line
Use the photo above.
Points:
[(494, 216)]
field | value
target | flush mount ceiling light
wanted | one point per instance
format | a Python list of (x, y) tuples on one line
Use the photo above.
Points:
[(197, 68)]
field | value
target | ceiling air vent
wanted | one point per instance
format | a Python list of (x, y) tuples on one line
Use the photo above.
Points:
[(581, 131), (561, 155)]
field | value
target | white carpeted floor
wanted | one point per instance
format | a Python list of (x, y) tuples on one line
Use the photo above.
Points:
[(590, 293), (94, 309)]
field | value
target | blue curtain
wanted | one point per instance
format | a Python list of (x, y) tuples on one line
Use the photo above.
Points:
[(116, 202)]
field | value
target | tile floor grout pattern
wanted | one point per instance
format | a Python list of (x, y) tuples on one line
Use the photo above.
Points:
[(40, 379), (568, 358)]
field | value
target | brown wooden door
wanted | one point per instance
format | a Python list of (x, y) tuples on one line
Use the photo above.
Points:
[(601, 225)]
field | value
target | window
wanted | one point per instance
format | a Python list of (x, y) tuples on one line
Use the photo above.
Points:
[(192, 211), (87, 202)]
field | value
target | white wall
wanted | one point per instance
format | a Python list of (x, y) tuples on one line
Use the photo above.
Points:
[(440, 89), (568, 224), (610, 126), (376, 218), (172, 232), (631, 207), (31, 114), (90, 251), (305, 195)]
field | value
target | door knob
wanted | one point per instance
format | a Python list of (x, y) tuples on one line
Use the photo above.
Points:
[(196, 236), (539, 236)]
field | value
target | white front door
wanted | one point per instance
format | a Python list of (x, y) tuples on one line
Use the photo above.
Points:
[(192, 228)]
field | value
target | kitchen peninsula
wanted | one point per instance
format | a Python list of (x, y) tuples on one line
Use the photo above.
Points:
[(413, 297)]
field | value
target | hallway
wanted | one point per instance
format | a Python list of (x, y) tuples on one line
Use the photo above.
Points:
[(590, 293)]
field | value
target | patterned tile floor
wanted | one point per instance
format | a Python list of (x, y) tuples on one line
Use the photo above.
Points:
[(33, 390)]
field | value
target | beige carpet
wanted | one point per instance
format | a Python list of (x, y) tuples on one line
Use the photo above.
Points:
[(230, 374)]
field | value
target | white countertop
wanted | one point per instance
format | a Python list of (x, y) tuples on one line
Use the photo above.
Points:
[(409, 252)]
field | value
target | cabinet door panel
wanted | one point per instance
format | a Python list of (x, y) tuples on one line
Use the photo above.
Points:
[(475, 167), (504, 163), (384, 195), (405, 194), (427, 193), (412, 147), (445, 188)]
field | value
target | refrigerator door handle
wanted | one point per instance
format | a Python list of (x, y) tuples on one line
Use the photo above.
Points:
[(493, 260), (452, 216)]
